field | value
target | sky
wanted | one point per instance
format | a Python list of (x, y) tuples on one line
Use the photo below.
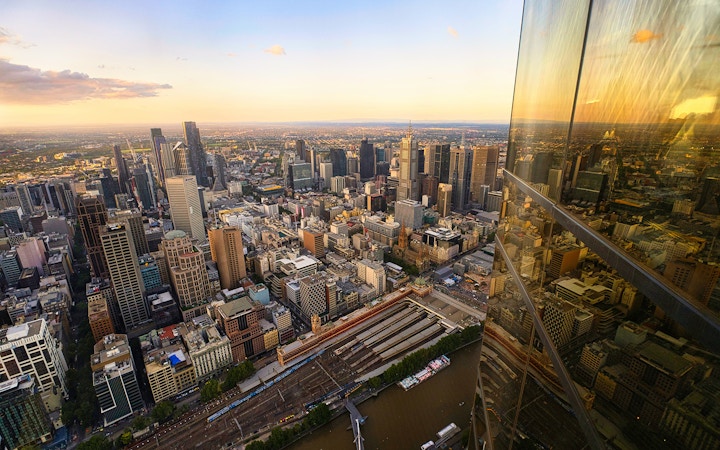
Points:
[(157, 62)]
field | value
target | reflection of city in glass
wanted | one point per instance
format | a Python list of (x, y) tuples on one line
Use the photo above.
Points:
[(603, 322)]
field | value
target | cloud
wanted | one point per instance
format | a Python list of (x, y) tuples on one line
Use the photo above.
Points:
[(643, 36), (8, 38), (453, 32), (232, 54), (181, 58), (276, 50), (24, 84)]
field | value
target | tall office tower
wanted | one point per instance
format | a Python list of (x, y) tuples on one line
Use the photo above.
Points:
[(26, 202), (437, 161), (408, 187), (302, 176), (367, 160), (116, 386), (181, 160), (12, 218), (92, 214), (430, 189), (301, 150), (157, 140), (167, 161), (31, 349), (226, 248), (196, 151), (121, 166), (352, 165), (142, 189), (609, 344), (134, 220), (23, 420), (338, 158), (11, 267), (379, 154), (119, 249), (313, 162), (444, 199), (185, 210), (190, 280), (219, 164), (326, 173), (461, 164), (484, 170), (337, 184), (110, 188), (493, 164)]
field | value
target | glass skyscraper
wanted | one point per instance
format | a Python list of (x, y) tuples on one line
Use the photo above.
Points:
[(603, 328)]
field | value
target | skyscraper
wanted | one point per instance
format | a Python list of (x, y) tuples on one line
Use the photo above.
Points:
[(185, 207), (461, 164), (157, 140), (188, 275), (300, 150), (196, 152), (121, 166), (92, 214), (598, 335), (408, 187), (437, 161), (226, 248), (119, 250), (367, 160), (338, 158)]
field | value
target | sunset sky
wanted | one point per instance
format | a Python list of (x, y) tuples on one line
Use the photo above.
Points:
[(145, 62)]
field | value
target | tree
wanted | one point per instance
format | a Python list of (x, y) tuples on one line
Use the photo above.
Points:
[(162, 411), (210, 390), (140, 422), (97, 442), (256, 445), (126, 437)]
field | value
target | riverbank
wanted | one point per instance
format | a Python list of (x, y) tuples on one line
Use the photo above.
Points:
[(400, 420)]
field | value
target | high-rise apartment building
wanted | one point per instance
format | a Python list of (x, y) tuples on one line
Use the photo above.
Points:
[(196, 153), (116, 386), (92, 214), (408, 187), (598, 333), (119, 250), (134, 220), (185, 208), (326, 173), (227, 250)]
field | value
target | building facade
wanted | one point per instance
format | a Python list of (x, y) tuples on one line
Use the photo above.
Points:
[(226, 248), (408, 187), (596, 338), (185, 208)]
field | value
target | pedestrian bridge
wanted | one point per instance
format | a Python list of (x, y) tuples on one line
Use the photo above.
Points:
[(356, 419)]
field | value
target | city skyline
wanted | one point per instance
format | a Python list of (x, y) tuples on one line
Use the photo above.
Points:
[(282, 63)]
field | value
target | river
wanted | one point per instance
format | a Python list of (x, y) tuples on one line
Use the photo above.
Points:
[(399, 420)]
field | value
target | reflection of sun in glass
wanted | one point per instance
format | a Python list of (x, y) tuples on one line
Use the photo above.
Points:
[(700, 105), (645, 36)]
